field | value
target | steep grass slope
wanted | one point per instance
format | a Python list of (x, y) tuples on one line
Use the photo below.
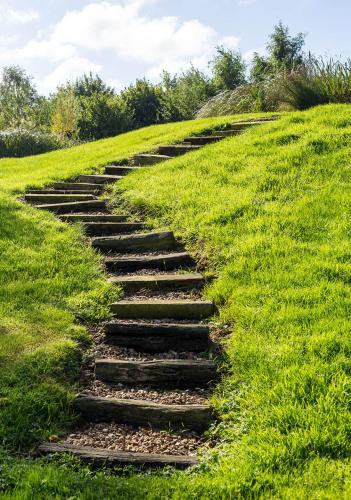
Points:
[(269, 213), (48, 277), (17, 174)]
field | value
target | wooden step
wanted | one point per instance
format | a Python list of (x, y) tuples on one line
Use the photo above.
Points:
[(227, 133), (158, 337), (203, 140), (134, 242), (174, 373), (159, 309), (99, 179), (108, 228), (78, 186), (78, 206), (57, 198), (150, 159), (94, 218), (245, 125), (144, 413), (61, 191), (158, 281), (119, 170), (99, 457), (165, 262), (177, 149), (236, 128)]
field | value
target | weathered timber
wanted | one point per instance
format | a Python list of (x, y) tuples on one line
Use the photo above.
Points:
[(119, 170), (94, 218), (108, 228), (143, 413), (245, 125), (158, 281), (134, 242), (62, 191), (150, 159), (177, 149), (158, 337), (99, 457), (99, 179), (159, 309), (78, 186), (78, 206), (202, 140), (57, 198), (228, 133), (165, 262), (161, 373)]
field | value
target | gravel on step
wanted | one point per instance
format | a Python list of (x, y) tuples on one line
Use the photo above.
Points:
[(104, 350), (94, 387), (164, 295), (101, 349), (113, 253), (152, 272), (117, 437), (159, 321)]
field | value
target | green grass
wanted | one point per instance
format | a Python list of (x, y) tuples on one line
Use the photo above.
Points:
[(269, 213), (16, 175), (49, 278)]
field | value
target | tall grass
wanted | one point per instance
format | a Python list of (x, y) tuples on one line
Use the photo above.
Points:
[(316, 82), (20, 142)]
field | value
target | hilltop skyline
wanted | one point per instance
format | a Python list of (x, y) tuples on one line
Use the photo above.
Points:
[(124, 40)]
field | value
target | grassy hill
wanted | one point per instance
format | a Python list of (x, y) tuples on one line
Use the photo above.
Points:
[(269, 214), (48, 277)]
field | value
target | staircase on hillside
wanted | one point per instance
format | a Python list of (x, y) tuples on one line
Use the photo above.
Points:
[(145, 401)]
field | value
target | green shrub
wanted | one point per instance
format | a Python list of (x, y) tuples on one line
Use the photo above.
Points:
[(22, 142), (315, 82)]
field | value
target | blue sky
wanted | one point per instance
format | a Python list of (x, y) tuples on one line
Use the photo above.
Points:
[(56, 40)]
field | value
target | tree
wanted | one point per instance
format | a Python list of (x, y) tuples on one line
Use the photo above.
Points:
[(185, 94), (89, 84), (18, 98), (285, 52), (100, 116), (143, 104), (66, 113), (260, 68), (228, 69)]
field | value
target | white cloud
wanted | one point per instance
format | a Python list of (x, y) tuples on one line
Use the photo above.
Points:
[(160, 42), (122, 29), (115, 84), (67, 70), (230, 42), (8, 40), (9, 15), (34, 50)]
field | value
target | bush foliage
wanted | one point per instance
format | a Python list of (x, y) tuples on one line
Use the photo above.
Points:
[(20, 142), (88, 109)]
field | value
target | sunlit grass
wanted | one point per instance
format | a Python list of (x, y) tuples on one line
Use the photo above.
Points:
[(50, 278), (269, 214)]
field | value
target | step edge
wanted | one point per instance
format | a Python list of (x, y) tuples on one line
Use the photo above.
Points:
[(143, 402), (117, 456)]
